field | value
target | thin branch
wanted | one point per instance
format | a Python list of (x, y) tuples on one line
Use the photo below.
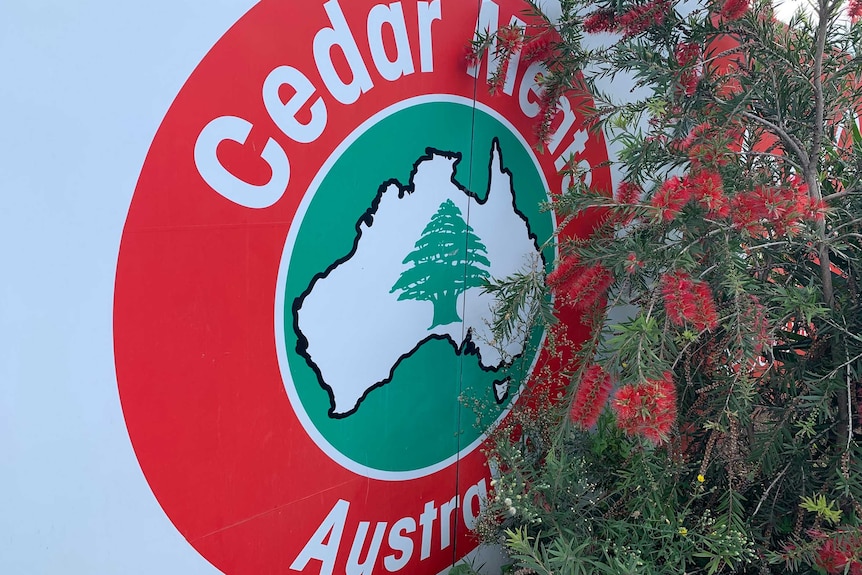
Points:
[(785, 136), (823, 12), (839, 195), (849, 381), (768, 489), (835, 371), (773, 156), (845, 224)]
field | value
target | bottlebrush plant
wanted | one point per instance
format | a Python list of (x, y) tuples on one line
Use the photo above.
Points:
[(713, 422)]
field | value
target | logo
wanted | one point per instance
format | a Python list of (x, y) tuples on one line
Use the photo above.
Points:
[(302, 338), (402, 282)]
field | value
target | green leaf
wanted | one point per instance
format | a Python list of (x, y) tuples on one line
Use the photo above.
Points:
[(822, 508)]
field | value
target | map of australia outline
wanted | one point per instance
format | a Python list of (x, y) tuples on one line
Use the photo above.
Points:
[(387, 235)]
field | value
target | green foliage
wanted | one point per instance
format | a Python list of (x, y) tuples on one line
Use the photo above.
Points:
[(734, 244), (822, 508), (462, 569)]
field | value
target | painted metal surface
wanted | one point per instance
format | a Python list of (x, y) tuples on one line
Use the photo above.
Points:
[(297, 368)]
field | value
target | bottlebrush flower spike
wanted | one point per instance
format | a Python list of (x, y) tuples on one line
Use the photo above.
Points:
[(549, 99), (510, 38), (677, 291), (587, 287), (697, 133), (593, 392), (472, 54), (671, 197), (688, 301), (815, 210), (734, 9), (648, 410), (498, 80), (705, 315), (687, 56), (747, 211), (836, 554), (633, 264), (708, 190), (664, 414), (538, 49), (626, 404), (641, 18), (687, 53), (600, 21), (579, 286), (781, 207), (854, 10), (564, 269), (628, 193), (688, 81)]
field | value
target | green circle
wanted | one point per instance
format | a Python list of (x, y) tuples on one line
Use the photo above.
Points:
[(393, 429)]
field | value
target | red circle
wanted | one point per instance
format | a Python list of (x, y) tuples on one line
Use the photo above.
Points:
[(199, 381)]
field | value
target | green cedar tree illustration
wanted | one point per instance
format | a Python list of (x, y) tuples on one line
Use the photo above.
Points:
[(446, 262)]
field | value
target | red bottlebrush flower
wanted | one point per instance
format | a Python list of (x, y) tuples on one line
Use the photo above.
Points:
[(781, 207), (708, 190), (593, 392), (696, 133), (687, 53), (587, 287), (835, 554), (664, 415), (707, 155), (815, 210), (734, 135), (510, 38), (626, 404), (688, 81), (734, 9), (577, 285), (854, 10), (705, 315), (748, 210), (806, 207), (671, 197), (641, 18), (561, 273), (498, 80), (688, 301), (687, 56), (657, 138), (472, 55), (648, 410), (538, 49), (628, 193), (549, 99), (829, 559), (798, 184), (677, 291), (600, 21), (633, 263)]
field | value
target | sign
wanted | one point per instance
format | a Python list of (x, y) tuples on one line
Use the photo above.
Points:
[(301, 336)]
